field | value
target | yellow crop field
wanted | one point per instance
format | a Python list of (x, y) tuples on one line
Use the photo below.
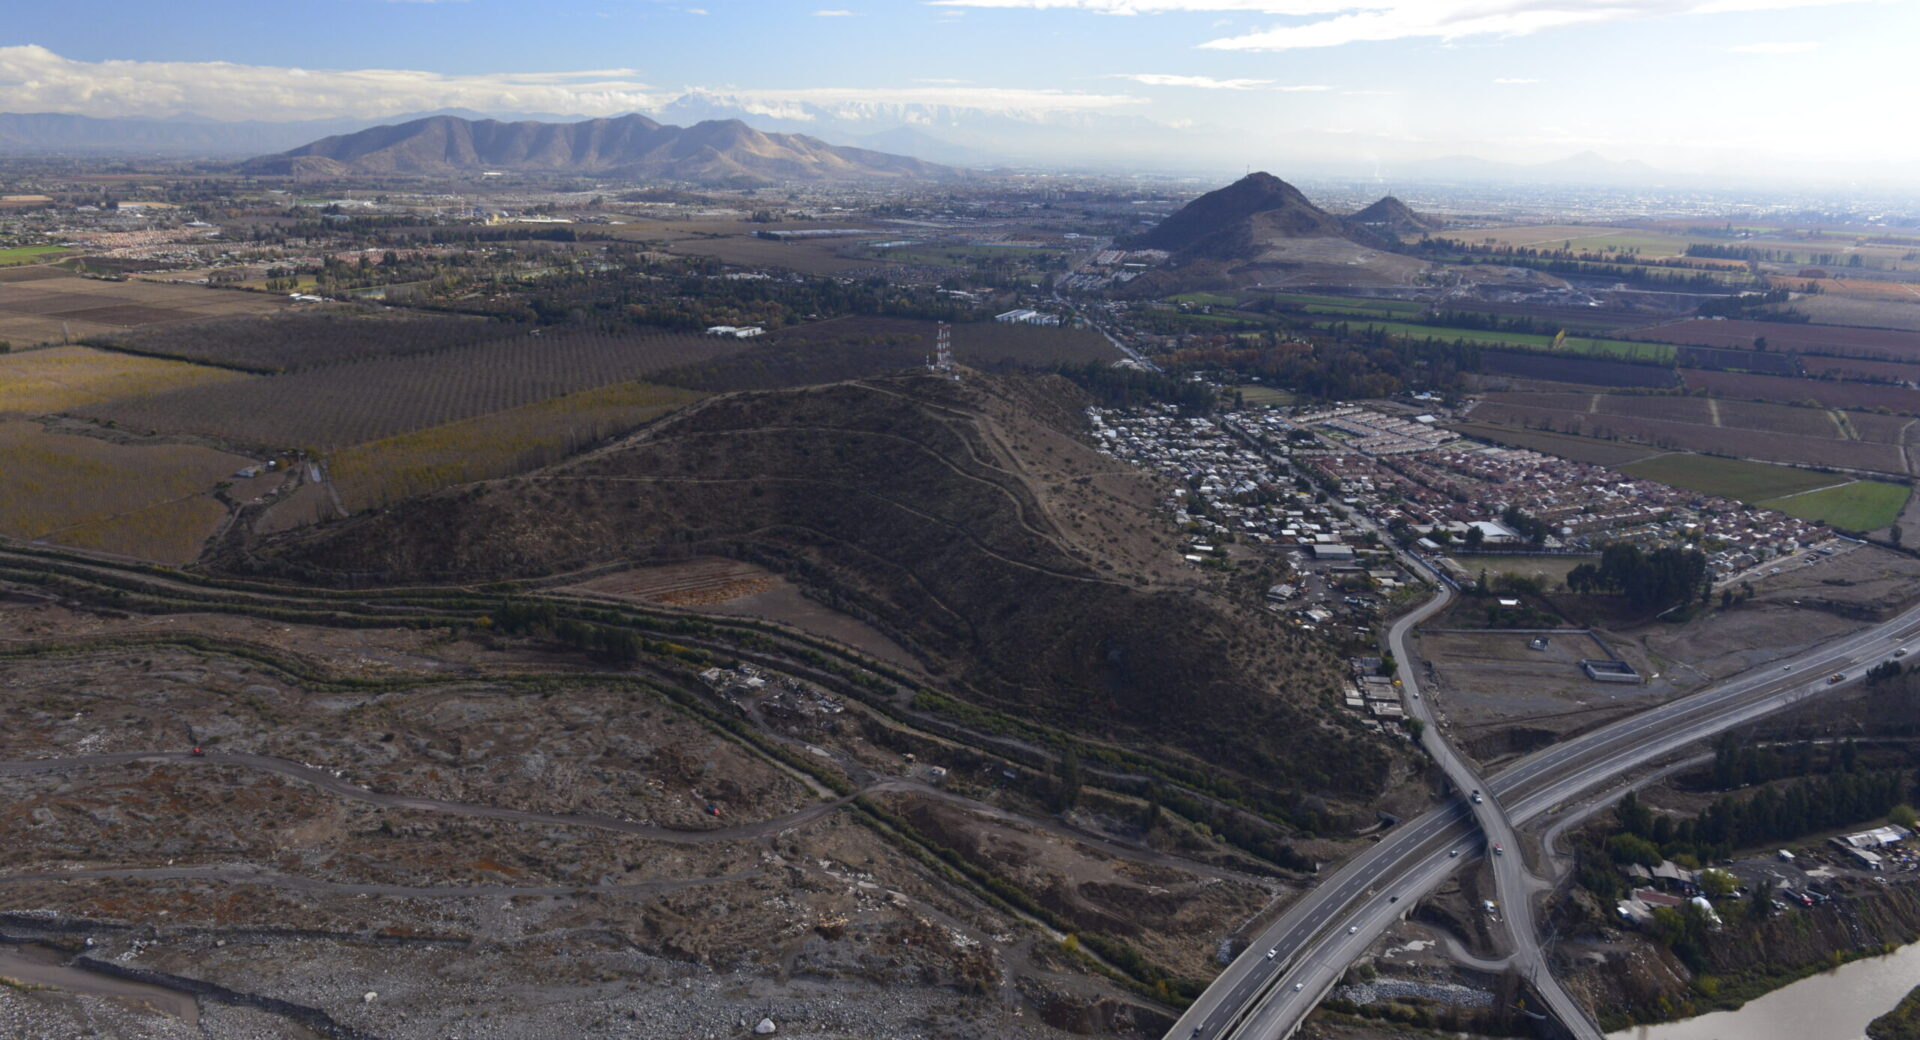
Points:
[(496, 444), (59, 378), (151, 501), (167, 532)]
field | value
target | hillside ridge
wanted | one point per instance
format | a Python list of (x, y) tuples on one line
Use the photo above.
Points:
[(715, 151)]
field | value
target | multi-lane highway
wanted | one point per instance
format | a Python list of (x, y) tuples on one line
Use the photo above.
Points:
[(1264, 997)]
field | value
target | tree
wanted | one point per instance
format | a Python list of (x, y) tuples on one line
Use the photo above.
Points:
[(1761, 897), (1475, 537), (1717, 883), (1902, 816)]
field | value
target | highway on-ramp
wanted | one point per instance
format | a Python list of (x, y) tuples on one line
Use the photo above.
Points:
[(1264, 997)]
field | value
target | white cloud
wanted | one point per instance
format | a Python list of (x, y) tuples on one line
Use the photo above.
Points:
[(1516, 81), (1332, 23), (893, 103), (1798, 47), (1155, 79), (34, 79), (1360, 21), (833, 14)]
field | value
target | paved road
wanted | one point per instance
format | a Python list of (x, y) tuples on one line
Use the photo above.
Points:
[(1513, 884), (1267, 998)]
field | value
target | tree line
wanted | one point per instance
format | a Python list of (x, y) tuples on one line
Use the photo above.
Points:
[(1665, 577)]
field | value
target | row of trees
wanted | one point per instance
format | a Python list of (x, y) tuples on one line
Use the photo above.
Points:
[(1665, 577), (1765, 817)]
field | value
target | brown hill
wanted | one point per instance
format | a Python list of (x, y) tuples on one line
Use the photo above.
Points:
[(629, 146), (1240, 221), (966, 520), (1390, 216)]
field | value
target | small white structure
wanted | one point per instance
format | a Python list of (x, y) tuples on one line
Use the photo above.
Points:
[(1027, 316), (736, 331)]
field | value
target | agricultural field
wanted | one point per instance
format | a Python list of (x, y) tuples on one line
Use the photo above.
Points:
[(28, 254), (1560, 368), (337, 406), (1856, 368), (1854, 288), (1833, 446), (1823, 392), (153, 501), (59, 378), (498, 444), (815, 256), (45, 305), (1880, 314), (1576, 345), (1783, 336), (301, 339), (1578, 237), (1675, 409), (1859, 506), (1205, 299), (1762, 361), (1737, 479), (1613, 454), (1386, 310)]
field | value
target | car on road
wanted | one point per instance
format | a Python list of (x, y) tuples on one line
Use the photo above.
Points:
[(1836, 677), (1902, 652), (1453, 854), (1476, 796), (1298, 986), (1353, 929), (1275, 952), (1497, 850)]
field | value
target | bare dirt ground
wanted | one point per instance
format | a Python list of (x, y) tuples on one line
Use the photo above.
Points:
[(1501, 699), (1496, 696), (501, 860)]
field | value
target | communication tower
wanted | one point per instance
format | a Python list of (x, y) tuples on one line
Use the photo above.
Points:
[(943, 352)]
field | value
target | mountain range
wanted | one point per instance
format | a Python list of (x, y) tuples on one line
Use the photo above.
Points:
[(635, 146)]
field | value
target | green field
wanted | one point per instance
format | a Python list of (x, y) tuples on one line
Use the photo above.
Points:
[(1582, 345), (1263, 396), (1205, 299), (1738, 479), (1864, 505), (27, 254)]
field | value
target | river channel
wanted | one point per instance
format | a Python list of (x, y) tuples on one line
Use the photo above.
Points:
[(1835, 1005)]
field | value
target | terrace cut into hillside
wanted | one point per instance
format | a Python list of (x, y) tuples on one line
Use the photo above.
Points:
[(965, 520)]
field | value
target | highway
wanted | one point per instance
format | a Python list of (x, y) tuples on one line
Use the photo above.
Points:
[(1267, 998)]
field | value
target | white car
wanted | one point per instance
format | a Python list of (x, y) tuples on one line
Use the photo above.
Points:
[(1353, 929), (1271, 954)]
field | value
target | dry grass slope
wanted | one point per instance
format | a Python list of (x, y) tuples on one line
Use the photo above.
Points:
[(150, 501), (496, 445), (60, 378)]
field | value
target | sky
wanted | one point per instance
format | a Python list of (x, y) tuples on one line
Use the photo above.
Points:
[(1699, 86)]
